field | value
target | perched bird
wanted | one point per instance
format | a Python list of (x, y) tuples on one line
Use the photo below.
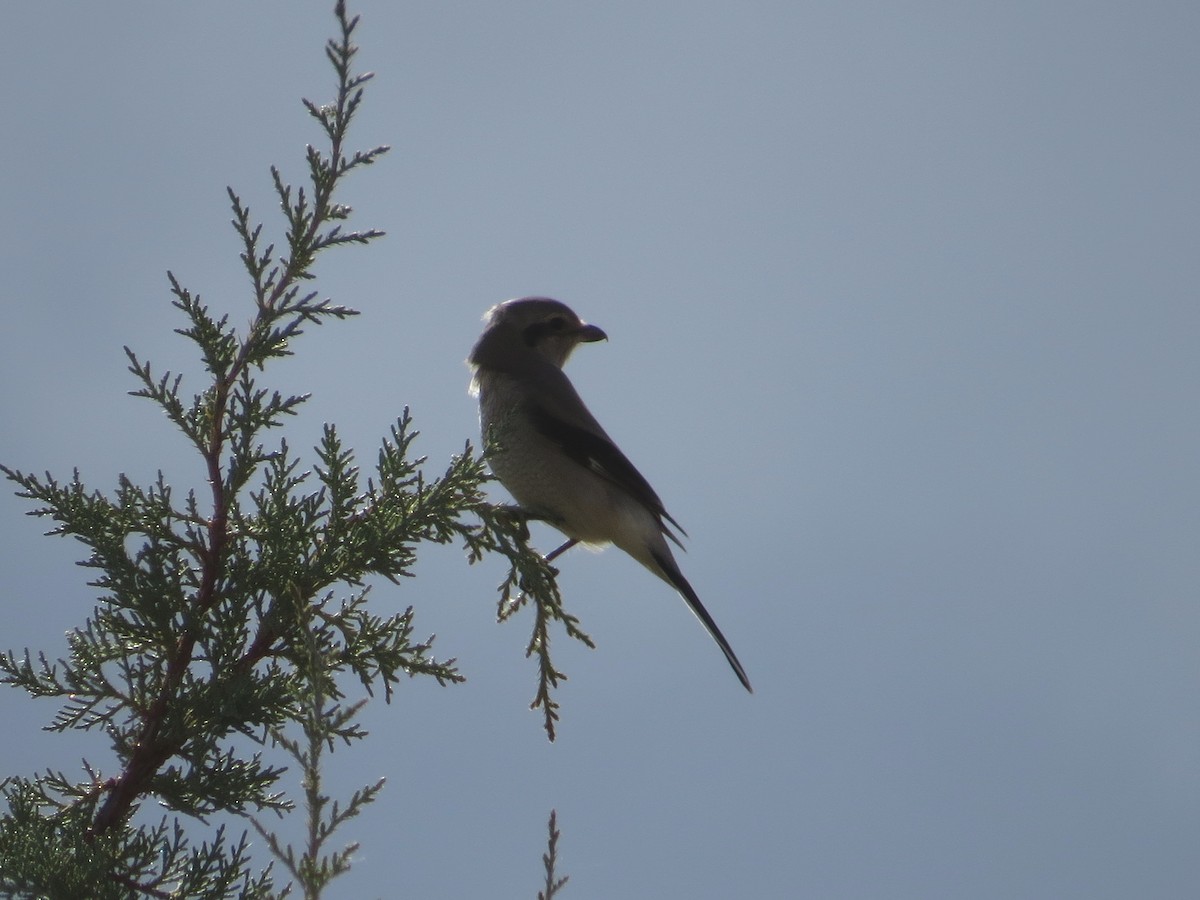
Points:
[(553, 456)]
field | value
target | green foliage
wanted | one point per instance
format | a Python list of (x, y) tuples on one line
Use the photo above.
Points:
[(554, 884), (531, 582), (49, 850), (221, 630), (322, 723)]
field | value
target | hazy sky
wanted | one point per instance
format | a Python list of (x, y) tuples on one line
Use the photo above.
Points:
[(904, 327)]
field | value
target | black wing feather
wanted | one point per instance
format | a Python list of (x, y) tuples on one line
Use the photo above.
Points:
[(599, 455)]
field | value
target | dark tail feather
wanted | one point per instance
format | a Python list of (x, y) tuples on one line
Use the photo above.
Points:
[(672, 573)]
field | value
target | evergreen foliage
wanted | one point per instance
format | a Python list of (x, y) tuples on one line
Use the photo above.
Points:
[(233, 617)]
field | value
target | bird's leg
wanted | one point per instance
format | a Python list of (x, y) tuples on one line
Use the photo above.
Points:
[(553, 554), (523, 517), (559, 551), (518, 516)]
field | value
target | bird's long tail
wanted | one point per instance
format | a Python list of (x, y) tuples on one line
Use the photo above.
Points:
[(669, 572)]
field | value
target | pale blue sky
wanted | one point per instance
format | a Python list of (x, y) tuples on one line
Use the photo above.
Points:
[(903, 317)]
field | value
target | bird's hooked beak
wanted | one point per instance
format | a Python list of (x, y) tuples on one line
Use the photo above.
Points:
[(589, 333)]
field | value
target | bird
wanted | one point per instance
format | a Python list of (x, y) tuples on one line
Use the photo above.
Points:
[(555, 459)]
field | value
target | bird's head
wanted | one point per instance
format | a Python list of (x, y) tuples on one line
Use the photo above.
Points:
[(531, 325)]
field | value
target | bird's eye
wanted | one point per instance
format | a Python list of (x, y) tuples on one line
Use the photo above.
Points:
[(538, 331)]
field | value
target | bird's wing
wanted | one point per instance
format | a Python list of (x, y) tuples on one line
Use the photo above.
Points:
[(585, 442)]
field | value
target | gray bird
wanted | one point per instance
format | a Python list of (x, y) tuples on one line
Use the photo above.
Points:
[(553, 456)]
